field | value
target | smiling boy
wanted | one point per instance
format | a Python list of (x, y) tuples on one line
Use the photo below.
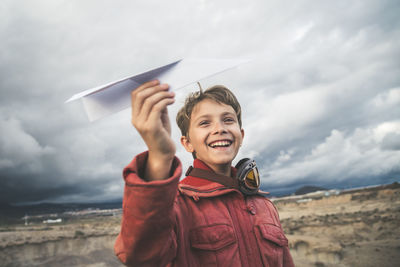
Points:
[(197, 221)]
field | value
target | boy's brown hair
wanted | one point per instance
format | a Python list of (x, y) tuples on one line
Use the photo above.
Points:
[(218, 93)]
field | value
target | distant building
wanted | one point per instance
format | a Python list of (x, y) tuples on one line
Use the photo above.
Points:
[(59, 220)]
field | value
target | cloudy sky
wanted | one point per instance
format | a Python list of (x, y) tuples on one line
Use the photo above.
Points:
[(321, 102)]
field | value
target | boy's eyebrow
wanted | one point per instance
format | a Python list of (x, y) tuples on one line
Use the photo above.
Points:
[(209, 115), (202, 116), (228, 113)]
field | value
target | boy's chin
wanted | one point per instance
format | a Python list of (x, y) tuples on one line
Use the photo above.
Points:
[(224, 160)]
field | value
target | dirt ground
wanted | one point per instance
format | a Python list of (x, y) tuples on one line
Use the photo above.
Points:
[(83, 242), (353, 228)]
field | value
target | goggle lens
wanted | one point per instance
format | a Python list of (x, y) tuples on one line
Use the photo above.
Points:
[(252, 179)]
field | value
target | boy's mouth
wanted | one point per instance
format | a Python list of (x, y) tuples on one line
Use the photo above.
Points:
[(220, 143)]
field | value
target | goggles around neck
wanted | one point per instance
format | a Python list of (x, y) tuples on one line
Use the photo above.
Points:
[(247, 177)]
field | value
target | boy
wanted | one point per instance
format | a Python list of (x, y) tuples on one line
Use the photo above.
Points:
[(195, 222)]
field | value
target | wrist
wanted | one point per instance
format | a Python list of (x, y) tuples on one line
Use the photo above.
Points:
[(158, 166)]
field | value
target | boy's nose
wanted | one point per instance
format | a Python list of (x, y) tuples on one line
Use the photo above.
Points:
[(219, 128)]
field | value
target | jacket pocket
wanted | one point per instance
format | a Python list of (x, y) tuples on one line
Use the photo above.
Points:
[(214, 245), (271, 241)]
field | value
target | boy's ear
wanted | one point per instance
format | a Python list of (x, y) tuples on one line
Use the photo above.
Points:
[(186, 144), (242, 132)]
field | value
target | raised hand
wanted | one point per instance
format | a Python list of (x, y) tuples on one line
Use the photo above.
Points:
[(150, 118)]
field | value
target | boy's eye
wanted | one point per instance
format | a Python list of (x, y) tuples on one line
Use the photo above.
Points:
[(203, 123), (228, 119)]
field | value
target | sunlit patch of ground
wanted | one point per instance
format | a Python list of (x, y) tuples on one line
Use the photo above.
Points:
[(357, 228)]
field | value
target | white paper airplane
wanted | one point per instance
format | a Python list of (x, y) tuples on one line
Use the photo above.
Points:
[(115, 96)]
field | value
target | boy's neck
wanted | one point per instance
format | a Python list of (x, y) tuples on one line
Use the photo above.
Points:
[(224, 169)]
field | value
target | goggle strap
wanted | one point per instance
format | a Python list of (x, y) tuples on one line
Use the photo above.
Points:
[(212, 176), (263, 192)]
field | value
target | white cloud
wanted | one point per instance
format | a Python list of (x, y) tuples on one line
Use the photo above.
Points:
[(390, 98), (384, 129), (19, 149), (302, 31), (283, 117), (355, 155)]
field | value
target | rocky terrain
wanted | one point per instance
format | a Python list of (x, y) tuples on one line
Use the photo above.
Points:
[(326, 228), (348, 228), (84, 242)]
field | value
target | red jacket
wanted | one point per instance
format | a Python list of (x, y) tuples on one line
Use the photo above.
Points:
[(196, 223)]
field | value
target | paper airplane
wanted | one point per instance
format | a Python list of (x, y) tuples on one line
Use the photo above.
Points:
[(115, 96)]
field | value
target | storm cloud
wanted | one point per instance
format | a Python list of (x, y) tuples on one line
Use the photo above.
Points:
[(321, 102)]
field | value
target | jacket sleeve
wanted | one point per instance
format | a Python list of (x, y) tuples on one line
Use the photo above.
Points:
[(147, 236)]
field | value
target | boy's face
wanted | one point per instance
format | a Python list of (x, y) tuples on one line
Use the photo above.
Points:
[(214, 133)]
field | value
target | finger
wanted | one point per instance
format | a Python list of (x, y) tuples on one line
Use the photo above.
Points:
[(140, 88), (156, 114), (142, 96), (159, 107), (152, 101), (146, 85)]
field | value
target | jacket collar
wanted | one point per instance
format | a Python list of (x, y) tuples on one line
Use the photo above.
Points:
[(199, 187)]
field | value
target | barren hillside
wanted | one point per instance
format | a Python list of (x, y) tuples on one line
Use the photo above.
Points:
[(353, 228), (86, 242)]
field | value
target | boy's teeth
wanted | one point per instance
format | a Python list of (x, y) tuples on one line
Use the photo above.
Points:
[(220, 143)]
